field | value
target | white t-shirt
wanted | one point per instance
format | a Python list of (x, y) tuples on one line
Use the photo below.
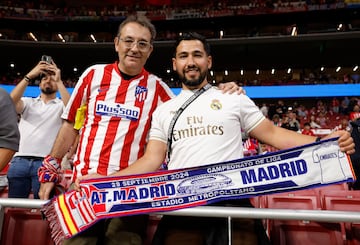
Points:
[(209, 129), (39, 125)]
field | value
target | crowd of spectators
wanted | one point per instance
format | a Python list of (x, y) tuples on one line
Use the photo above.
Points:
[(321, 118), (75, 11), (196, 9)]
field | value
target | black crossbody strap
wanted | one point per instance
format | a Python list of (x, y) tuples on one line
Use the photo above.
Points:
[(177, 114)]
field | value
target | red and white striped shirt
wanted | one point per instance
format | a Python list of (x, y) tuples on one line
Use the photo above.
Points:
[(117, 119)]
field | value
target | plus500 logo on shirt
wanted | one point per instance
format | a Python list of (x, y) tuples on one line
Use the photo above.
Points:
[(117, 110)]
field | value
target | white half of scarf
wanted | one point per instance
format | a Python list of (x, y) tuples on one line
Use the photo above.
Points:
[(317, 164)]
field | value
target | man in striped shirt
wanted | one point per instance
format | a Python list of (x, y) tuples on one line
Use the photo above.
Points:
[(119, 100)]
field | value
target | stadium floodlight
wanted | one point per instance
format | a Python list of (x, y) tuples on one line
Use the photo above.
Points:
[(61, 37), (93, 38), (33, 36)]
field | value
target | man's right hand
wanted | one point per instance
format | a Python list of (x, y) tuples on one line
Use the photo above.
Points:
[(49, 175), (45, 190)]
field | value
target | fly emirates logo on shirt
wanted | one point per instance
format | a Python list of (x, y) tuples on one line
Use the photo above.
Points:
[(117, 110), (195, 127)]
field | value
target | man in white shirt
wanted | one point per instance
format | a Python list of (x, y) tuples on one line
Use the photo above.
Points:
[(39, 124)]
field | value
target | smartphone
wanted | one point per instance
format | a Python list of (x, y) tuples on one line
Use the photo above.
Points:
[(47, 58)]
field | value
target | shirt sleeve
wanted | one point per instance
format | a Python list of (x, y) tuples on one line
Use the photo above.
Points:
[(250, 114), (158, 131), (9, 131)]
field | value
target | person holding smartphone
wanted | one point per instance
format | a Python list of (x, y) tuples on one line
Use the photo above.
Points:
[(39, 124)]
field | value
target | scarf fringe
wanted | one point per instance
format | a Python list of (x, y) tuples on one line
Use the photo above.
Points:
[(57, 233)]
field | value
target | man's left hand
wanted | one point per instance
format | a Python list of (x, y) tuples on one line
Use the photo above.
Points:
[(231, 87), (346, 142)]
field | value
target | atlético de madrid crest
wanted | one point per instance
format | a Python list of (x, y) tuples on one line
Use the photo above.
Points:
[(141, 93)]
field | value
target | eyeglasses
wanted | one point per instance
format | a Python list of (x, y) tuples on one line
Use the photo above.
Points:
[(143, 46)]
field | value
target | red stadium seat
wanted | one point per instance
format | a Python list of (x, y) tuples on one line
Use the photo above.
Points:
[(305, 232), (303, 199), (340, 200), (344, 201), (301, 232), (333, 187), (25, 227)]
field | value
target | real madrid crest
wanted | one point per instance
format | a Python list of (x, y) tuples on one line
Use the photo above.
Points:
[(216, 105)]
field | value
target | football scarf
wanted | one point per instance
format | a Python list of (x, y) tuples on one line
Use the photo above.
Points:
[(312, 165)]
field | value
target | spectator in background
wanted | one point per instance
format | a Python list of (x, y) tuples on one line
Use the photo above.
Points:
[(307, 129), (344, 125), (322, 120), (271, 110), (313, 123), (9, 131), (302, 112), (335, 103), (294, 123), (344, 106), (39, 124), (276, 120), (281, 108), (264, 109), (355, 113), (290, 122)]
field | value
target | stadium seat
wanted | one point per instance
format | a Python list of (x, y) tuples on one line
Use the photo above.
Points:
[(305, 232), (333, 187), (301, 232), (25, 227), (340, 200), (344, 201), (302, 199)]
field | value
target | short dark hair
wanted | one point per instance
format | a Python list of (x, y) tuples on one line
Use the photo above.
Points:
[(141, 20), (192, 36)]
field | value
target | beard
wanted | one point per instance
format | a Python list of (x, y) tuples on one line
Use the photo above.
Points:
[(192, 83), (48, 90)]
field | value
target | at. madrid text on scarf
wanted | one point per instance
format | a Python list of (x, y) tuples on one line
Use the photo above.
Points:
[(312, 165)]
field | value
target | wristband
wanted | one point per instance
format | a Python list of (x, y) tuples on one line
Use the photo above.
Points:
[(27, 79), (50, 170), (318, 139)]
